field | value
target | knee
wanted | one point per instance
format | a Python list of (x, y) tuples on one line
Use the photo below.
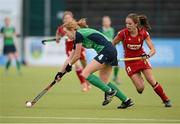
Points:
[(140, 89), (85, 74), (103, 77)]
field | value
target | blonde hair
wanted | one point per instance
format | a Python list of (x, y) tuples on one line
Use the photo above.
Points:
[(67, 13), (74, 25)]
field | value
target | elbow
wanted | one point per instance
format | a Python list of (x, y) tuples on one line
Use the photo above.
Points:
[(78, 57), (153, 52)]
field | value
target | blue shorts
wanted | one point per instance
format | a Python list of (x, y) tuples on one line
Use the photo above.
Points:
[(107, 56)]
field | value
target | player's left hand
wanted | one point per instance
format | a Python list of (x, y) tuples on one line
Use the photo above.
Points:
[(58, 76), (68, 67), (145, 56)]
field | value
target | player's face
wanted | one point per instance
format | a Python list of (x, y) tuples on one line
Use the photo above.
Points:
[(131, 26), (106, 22), (67, 18), (70, 33), (7, 21)]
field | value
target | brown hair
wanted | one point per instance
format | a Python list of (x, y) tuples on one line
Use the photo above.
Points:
[(68, 13), (141, 20), (76, 25)]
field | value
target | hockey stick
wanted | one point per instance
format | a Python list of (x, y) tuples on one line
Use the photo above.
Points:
[(48, 40), (130, 59), (42, 93)]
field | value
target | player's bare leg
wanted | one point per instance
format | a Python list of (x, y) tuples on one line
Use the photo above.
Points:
[(157, 87), (84, 85), (138, 82), (96, 81), (83, 62), (105, 73)]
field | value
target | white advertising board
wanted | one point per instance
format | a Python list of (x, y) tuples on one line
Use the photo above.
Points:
[(51, 54)]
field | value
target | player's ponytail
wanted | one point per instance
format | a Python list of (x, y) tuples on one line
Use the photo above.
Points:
[(140, 20), (74, 25), (82, 23), (143, 22)]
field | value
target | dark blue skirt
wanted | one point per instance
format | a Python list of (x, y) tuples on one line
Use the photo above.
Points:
[(9, 49)]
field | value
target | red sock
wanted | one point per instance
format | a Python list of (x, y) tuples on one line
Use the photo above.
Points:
[(159, 90), (81, 78)]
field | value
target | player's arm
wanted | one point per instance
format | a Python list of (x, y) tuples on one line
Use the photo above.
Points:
[(151, 46), (15, 34), (59, 33), (77, 53), (58, 36), (116, 40), (74, 56), (77, 47), (65, 68), (66, 63)]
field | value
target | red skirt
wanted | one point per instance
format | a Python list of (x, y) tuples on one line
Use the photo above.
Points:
[(133, 67)]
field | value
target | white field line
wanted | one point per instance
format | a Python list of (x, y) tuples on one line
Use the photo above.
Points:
[(85, 118)]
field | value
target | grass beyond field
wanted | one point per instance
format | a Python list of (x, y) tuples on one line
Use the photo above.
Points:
[(65, 103)]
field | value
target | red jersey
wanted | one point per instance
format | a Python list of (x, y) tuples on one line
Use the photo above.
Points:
[(61, 31), (132, 45)]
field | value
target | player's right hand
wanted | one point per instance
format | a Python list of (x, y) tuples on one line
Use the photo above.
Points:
[(145, 56), (57, 38)]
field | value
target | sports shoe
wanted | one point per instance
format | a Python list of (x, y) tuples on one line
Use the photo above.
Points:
[(109, 96), (168, 103), (105, 99), (126, 104)]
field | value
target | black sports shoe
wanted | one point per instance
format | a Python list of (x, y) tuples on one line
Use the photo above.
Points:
[(109, 96), (105, 98), (126, 104), (168, 103)]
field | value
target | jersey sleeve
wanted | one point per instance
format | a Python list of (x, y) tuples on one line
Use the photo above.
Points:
[(121, 35), (79, 39), (61, 31), (145, 34)]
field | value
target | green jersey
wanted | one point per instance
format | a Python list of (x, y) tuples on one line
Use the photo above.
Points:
[(91, 39), (8, 33), (109, 32)]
